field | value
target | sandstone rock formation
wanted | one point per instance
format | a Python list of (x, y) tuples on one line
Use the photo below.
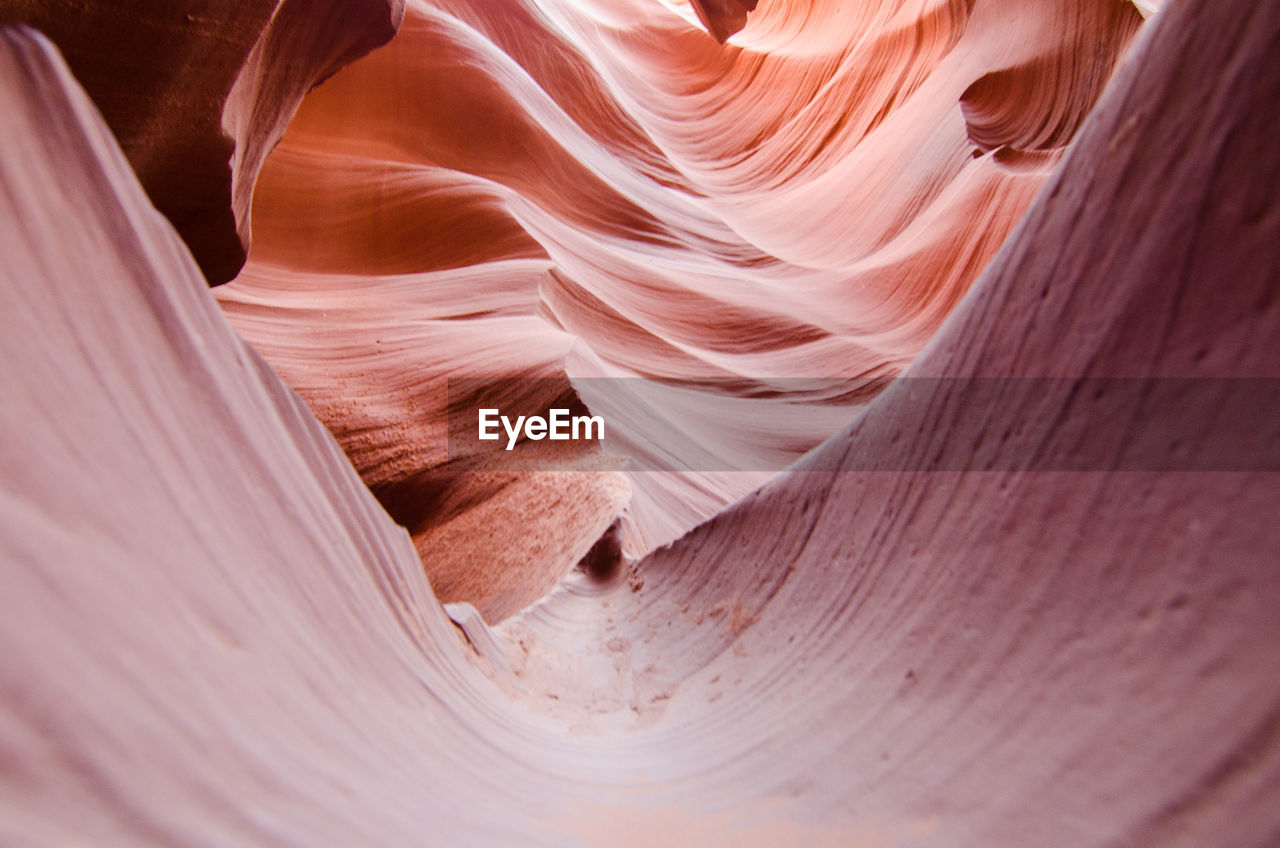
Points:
[(198, 92), (516, 190), (1025, 597)]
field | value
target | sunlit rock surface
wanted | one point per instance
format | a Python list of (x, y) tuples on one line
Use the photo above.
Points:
[(599, 190), (1037, 617)]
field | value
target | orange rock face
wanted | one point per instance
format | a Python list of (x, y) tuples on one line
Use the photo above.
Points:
[(1023, 595), (599, 192)]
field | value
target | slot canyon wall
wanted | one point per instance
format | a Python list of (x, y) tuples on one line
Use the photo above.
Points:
[(616, 198), (197, 92), (1017, 586)]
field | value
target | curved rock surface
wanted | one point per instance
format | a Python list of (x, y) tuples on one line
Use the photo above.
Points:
[(198, 92), (982, 614), (597, 190)]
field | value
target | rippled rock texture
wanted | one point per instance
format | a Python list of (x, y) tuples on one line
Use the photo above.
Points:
[(972, 616), (596, 191)]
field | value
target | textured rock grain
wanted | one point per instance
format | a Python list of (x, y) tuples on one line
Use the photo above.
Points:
[(599, 192), (215, 635)]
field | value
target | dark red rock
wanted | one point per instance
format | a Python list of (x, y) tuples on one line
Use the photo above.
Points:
[(197, 92)]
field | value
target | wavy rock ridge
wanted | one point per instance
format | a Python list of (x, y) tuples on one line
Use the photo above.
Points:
[(597, 190), (215, 634)]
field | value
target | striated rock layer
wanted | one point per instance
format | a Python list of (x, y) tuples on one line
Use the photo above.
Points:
[(198, 92), (598, 190), (1001, 656), (213, 634)]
